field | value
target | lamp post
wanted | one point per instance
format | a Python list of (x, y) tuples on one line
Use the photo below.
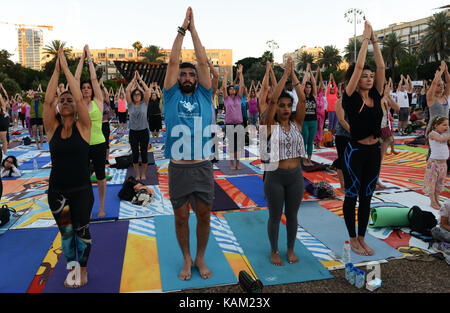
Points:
[(354, 16)]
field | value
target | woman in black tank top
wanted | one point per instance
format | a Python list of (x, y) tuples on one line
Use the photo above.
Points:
[(70, 196)]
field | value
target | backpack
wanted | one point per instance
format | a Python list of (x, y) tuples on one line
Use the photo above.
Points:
[(4, 214), (421, 221), (124, 161), (327, 139), (26, 141), (127, 191)]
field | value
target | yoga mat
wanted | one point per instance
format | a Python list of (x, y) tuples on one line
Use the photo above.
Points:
[(22, 252), (330, 229), (316, 167), (151, 175), (112, 203), (104, 265), (388, 216), (151, 158), (222, 201), (224, 166), (247, 153), (171, 259), (252, 186), (250, 229), (29, 165)]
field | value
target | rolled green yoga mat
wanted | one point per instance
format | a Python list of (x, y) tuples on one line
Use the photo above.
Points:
[(94, 178), (389, 216)]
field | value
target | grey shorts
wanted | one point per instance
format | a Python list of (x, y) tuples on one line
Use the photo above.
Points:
[(403, 115), (191, 179)]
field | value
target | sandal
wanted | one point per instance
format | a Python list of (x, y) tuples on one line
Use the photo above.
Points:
[(416, 254)]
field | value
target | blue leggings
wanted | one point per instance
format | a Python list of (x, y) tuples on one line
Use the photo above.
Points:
[(361, 169), (309, 129)]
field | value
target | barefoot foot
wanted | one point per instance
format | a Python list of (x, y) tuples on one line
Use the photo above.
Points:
[(356, 247), (368, 250), (275, 259), (205, 272), (292, 258), (185, 273)]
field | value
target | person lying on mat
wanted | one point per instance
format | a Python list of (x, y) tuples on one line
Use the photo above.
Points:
[(70, 195), (187, 96), (284, 186), (362, 104), (10, 167)]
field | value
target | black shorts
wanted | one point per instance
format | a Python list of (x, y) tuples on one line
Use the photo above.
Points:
[(106, 132), (122, 117), (403, 115), (97, 155), (154, 123), (4, 123), (341, 144), (36, 121)]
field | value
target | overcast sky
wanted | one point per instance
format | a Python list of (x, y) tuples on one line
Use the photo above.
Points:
[(242, 25)]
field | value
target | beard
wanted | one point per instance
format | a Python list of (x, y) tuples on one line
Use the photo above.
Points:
[(187, 87)]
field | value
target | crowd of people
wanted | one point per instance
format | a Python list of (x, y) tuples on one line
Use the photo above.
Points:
[(290, 116)]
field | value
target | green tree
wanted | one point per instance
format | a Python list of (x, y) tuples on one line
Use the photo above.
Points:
[(437, 39), (329, 57), (303, 60), (152, 54), (267, 56), (393, 49), (51, 50), (407, 64), (137, 46)]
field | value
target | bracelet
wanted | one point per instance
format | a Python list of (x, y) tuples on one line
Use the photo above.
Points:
[(181, 30), (366, 39), (90, 60)]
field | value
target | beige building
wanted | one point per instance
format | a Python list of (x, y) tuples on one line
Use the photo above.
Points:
[(411, 33), (221, 58), (30, 43), (315, 51)]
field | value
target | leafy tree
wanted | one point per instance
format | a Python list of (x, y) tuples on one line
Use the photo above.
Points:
[(267, 56), (329, 57), (393, 49), (407, 64), (51, 50), (303, 60), (152, 54), (437, 39), (137, 46)]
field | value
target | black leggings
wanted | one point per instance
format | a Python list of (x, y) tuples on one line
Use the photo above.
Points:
[(139, 142), (361, 171), (106, 132)]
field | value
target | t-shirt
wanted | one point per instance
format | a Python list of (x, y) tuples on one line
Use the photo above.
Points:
[(233, 112), (402, 99), (331, 97), (293, 93), (253, 105), (138, 116), (364, 121), (188, 123), (122, 106), (310, 109), (153, 107), (244, 106)]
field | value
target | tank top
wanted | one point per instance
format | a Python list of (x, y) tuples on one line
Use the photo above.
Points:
[(70, 161), (121, 108), (439, 150), (438, 109), (340, 130), (290, 144), (253, 105), (96, 128), (311, 109)]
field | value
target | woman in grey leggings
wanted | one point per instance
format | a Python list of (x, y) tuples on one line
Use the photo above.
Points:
[(283, 184)]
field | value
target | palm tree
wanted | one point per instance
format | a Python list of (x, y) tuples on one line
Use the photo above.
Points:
[(349, 50), (303, 60), (329, 57), (152, 54), (137, 46), (392, 50), (51, 50), (437, 38)]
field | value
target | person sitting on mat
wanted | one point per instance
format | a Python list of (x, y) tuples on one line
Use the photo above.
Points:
[(10, 167), (187, 96), (441, 232), (70, 195), (362, 103), (284, 186)]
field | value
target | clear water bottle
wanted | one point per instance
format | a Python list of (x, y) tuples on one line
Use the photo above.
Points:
[(346, 253), (348, 268), (35, 166), (360, 278), (352, 275)]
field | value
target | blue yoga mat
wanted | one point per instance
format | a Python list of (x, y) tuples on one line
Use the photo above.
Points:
[(171, 259), (29, 165), (22, 252), (112, 203), (104, 265), (252, 186), (250, 229), (330, 229)]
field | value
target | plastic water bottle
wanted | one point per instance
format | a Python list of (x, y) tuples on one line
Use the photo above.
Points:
[(346, 253), (348, 268), (352, 275), (360, 278), (35, 166)]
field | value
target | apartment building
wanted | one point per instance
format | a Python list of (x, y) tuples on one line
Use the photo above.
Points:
[(30, 43)]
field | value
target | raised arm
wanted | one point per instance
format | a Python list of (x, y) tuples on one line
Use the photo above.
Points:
[(215, 78), (173, 65), (359, 66), (402, 79), (340, 114), (314, 84), (98, 95), (301, 104), (225, 83), (380, 74), (387, 93), (147, 91), (129, 88), (431, 93), (49, 113), (447, 78), (273, 78), (262, 105), (79, 69), (204, 78), (241, 81)]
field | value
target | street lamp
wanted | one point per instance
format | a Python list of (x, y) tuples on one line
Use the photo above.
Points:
[(354, 16), (272, 45)]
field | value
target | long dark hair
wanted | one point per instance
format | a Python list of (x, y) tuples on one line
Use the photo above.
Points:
[(437, 120), (87, 81), (14, 162), (351, 69)]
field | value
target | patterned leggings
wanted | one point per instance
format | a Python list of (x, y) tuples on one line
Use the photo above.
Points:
[(435, 176)]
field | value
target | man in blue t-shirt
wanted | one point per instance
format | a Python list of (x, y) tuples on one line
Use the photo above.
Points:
[(187, 113)]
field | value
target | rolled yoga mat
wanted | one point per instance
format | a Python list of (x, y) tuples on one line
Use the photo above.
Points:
[(388, 216)]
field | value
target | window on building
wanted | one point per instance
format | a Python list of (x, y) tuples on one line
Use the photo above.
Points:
[(130, 54), (111, 55), (121, 55), (101, 55)]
